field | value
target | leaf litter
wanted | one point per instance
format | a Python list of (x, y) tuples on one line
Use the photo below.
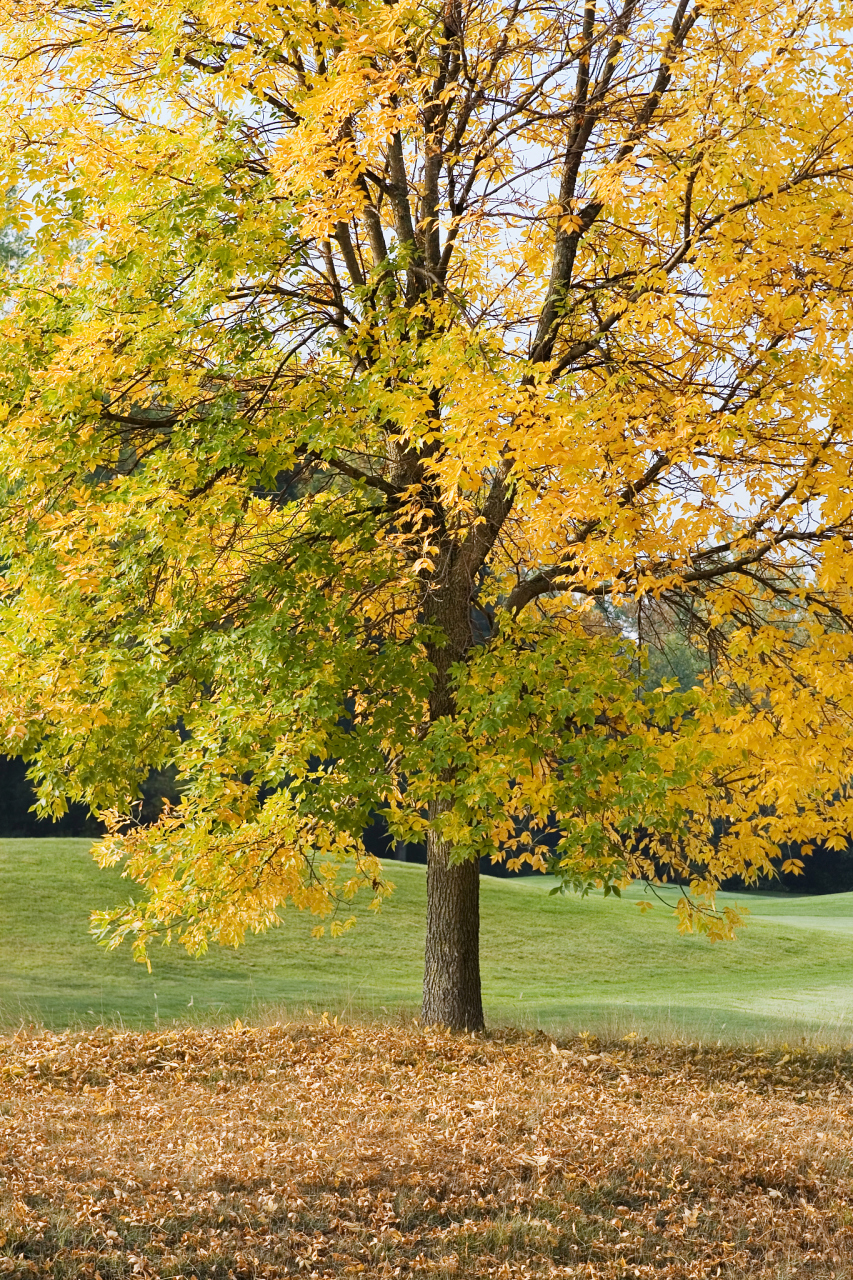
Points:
[(324, 1150)]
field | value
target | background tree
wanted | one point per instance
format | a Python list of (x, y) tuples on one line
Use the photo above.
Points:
[(364, 347)]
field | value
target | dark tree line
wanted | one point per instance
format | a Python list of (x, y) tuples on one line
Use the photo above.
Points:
[(824, 871)]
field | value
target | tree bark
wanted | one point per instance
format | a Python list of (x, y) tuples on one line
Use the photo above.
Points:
[(452, 955), (452, 958)]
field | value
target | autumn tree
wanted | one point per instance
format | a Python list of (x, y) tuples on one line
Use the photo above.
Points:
[(365, 356)]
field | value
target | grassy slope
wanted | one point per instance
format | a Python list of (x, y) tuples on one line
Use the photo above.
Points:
[(551, 961)]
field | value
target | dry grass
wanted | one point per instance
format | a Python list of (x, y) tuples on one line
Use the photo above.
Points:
[(320, 1150)]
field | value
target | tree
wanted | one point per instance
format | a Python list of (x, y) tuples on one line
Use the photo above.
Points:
[(363, 352)]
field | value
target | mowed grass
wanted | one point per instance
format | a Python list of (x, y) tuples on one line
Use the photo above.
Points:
[(561, 963)]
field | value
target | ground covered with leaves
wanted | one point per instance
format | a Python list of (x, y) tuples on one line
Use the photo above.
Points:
[(323, 1150)]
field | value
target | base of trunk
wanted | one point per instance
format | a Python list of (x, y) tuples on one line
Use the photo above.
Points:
[(452, 995)]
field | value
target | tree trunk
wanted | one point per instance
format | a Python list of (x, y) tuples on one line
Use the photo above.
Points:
[(452, 960), (452, 956)]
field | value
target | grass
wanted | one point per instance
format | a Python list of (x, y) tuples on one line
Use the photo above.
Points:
[(561, 963), (322, 1150)]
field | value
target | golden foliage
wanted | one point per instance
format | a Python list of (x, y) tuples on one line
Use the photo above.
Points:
[(364, 352)]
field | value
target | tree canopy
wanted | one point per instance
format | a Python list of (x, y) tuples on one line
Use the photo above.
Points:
[(369, 360)]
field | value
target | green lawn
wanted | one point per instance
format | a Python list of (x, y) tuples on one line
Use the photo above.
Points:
[(563, 963)]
